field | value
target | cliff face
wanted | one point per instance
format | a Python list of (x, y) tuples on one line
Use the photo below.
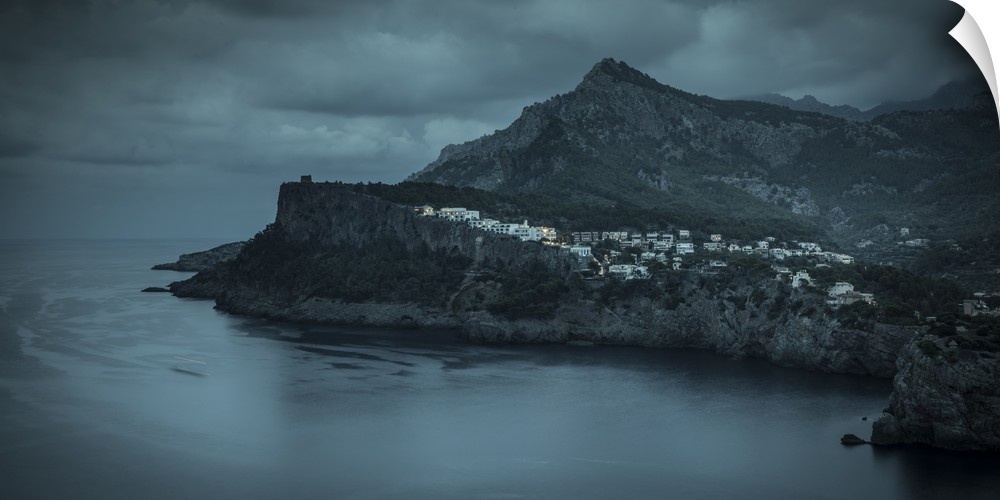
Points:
[(731, 314), (722, 321), (943, 396), (275, 283), (328, 214)]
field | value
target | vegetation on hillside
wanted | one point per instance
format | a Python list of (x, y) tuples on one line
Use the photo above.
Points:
[(903, 297), (535, 293), (381, 271)]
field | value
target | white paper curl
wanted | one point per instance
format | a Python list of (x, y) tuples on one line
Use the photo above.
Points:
[(978, 31)]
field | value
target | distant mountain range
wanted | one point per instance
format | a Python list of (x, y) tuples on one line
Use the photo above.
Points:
[(622, 139), (953, 95)]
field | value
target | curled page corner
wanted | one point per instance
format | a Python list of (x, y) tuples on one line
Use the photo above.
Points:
[(976, 42)]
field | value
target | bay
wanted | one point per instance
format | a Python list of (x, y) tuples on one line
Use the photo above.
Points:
[(106, 392)]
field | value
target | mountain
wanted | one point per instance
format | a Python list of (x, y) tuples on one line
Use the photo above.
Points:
[(810, 103), (620, 138), (953, 95)]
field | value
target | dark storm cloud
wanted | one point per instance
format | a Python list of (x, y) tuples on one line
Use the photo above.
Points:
[(109, 98)]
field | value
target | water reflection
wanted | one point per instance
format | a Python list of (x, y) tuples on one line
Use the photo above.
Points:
[(91, 394)]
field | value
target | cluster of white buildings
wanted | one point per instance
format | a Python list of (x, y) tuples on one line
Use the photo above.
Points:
[(655, 241), (655, 246), (471, 217), (841, 293), (681, 244)]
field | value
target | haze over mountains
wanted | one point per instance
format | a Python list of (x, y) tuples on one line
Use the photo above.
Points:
[(621, 138), (953, 95)]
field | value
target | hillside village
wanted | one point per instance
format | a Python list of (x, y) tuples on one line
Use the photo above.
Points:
[(630, 255)]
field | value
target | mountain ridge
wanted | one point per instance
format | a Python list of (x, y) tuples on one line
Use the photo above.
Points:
[(957, 94), (621, 136)]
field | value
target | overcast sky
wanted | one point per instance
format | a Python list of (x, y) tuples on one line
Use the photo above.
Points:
[(157, 118)]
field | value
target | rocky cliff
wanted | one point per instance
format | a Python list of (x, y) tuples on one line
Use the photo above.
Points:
[(276, 277), (734, 317), (945, 394), (739, 316), (327, 214)]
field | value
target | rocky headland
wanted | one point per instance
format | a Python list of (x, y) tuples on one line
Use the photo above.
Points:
[(201, 261), (622, 143), (945, 397)]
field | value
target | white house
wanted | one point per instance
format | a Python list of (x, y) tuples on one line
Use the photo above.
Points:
[(484, 224), (684, 248), (800, 278), (683, 234), (661, 246), (621, 270), (810, 247), (580, 251), (548, 233), (457, 214)]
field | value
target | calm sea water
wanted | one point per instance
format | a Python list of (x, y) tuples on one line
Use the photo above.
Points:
[(106, 392)]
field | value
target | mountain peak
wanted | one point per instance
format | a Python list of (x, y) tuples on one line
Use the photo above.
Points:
[(618, 71)]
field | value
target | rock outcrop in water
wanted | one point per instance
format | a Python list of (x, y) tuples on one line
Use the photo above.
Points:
[(945, 395)]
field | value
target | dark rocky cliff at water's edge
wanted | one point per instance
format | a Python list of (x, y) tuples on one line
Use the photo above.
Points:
[(944, 396)]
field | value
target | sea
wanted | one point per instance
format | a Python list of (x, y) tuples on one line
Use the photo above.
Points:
[(108, 393)]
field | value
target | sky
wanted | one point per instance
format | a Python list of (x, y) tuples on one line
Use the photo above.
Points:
[(171, 119)]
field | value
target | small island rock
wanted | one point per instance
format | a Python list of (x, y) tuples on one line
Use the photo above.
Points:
[(851, 440)]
